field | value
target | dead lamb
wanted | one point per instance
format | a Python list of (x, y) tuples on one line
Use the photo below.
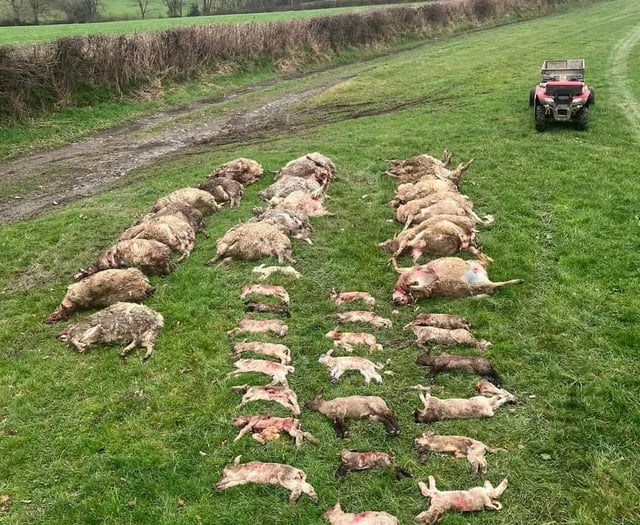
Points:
[(286, 476), (436, 409), (276, 371), (182, 211), (353, 461), (474, 499), (471, 364), (202, 200), (267, 428), (449, 321), (223, 190), (245, 171), (102, 289), (445, 277), (278, 351), (355, 407), (347, 340), (261, 326), (339, 365), (250, 241), (175, 233), (268, 290), (336, 516), (362, 316), (432, 335), (301, 203), (266, 308), (267, 271), (459, 446), (286, 185), (409, 192), (150, 257), (278, 394), (340, 298), (132, 323)]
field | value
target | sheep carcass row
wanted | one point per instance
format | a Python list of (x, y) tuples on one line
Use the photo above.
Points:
[(244, 171), (290, 223), (409, 192), (336, 516), (286, 476), (102, 289), (170, 230), (301, 202), (128, 322), (224, 189), (151, 257), (253, 240), (286, 185), (311, 166), (445, 277), (202, 200)]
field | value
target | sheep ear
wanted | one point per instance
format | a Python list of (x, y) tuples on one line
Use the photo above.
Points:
[(237, 460)]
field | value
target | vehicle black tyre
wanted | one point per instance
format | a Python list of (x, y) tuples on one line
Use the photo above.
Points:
[(592, 96), (532, 97), (540, 117), (583, 119)]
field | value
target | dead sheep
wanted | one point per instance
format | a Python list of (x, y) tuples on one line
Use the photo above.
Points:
[(473, 365), (424, 166), (260, 326), (410, 212), (339, 365), (223, 190), (179, 210), (268, 290), (362, 316), (409, 192), (251, 241), (445, 277), (449, 321), (268, 428), (282, 395), (102, 289), (149, 256), (267, 271), (276, 371), (202, 200), (175, 233), (290, 223), (459, 446), (336, 516), (354, 461), (245, 171), (131, 323), (311, 166), (340, 298), (279, 351), (355, 407), (432, 335), (301, 203), (414, 214), (347, 340), (439, 238), (266, 308), (436, 409), (286, 476), (472, 500), (286, 185)]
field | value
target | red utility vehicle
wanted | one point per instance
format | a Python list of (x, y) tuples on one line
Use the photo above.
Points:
[(562, 95)]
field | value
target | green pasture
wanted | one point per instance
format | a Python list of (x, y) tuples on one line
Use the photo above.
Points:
[(93, 439), (31, 34)]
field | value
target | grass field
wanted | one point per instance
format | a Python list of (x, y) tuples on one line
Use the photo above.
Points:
[(92, 439), (30, 34)]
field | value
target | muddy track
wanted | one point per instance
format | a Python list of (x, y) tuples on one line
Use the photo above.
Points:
[(47, 179)]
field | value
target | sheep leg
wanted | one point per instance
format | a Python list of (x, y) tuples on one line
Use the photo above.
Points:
[(310, 438), (228, 483), (389, 423), (342, 471), (476, 458), (128, 348), (431, 515), (295, 494), (245, 430), (340, 428)]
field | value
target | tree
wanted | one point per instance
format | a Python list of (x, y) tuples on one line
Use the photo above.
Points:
[(174, 7), (143, 5), (207, 7), (38, 7), (15, 6)]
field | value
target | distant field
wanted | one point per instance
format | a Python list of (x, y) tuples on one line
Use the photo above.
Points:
[(31, 34)]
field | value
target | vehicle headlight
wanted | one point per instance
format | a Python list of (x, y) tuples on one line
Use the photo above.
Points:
[(577, 102), (548, 100)]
